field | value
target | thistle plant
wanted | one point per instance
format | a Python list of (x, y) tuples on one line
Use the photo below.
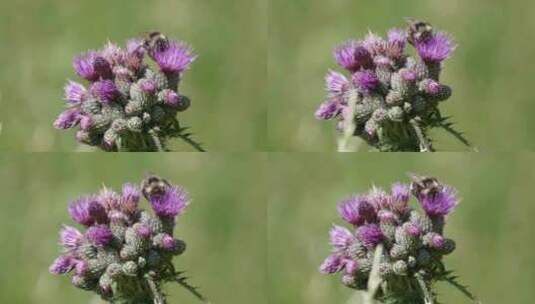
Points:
[(125, 253), (129, 105), (390, 99), (393, 251)]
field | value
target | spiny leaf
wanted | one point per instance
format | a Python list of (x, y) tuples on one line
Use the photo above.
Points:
[(182, 280), (448, 126), (449, 277)]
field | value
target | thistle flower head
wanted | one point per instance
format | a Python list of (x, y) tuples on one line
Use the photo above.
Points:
[(366, 81), (341, 238), (129, 105), (328, 109), (336, 83), (84, 65), (70, 238), (67, 119), (412, 243), (63, 264), (172, 202), (439, 203), (104, 90), (125, 250), (74, 92), (99, 235), (176, 58), (352, 56), (398, 95), (357, 210), (435, 49), (370, 235)]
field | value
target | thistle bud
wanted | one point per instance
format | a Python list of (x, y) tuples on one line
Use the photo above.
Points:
[(400, 268)]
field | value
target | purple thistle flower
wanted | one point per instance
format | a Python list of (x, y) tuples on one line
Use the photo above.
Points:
[(350, 266), (130, 198), (374, 44), (400, 197), (328, 109), (81, 267), (412, 229), (82, 209), (142, 230), (176, 58), (63, 264), (431, 87), (397, 40), (383, 61), (439, 203), (366, 81), (357, 210), (99, 235), (109, 199), (86, 122), (336, 83), (147, 86), (67, 119), (352, 56), (436, 48), (75, 93), (102, 67), (104, 90), (70, 238), (171, 98), (84, 65), (408, 75), (332, 264), (437, 241), (171, 203), (341, 238), (387, 217), (168, 243), (113, 54), (379, 198), (135, 47), (370, 235)]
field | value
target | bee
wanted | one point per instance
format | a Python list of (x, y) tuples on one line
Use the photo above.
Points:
[(154, 185), (155, 42), (423, 185), (418, 30)]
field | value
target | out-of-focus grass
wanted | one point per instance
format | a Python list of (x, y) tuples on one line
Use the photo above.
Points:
[(39, 39), (224, 227), (491, 72), (493, 225)]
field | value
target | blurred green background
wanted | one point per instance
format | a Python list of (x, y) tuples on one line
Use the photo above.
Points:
[(491, 72), (224, 227), (40, 37), (493, 225)]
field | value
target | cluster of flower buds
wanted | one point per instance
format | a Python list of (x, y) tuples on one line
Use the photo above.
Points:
[(412, 243), (128, 105), (390, 98), (125, 252)]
